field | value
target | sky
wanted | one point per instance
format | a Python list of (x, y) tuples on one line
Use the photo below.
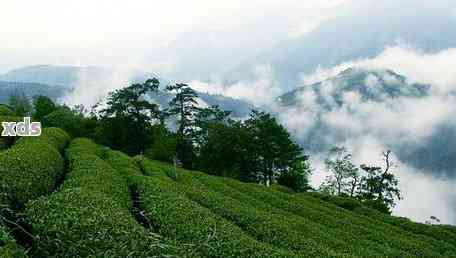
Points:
[(118, 33)]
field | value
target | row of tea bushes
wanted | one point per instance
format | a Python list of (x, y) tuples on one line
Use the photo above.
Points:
[(126, 165), (192, 225), (432, 231), (378, 236), (198, 231), (358, 231), (266, 227), (444, 239), (276, 227), (30, 167), (89, 216), (7, 117)]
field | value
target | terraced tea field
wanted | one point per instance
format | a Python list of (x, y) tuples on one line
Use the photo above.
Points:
[(63, 198)]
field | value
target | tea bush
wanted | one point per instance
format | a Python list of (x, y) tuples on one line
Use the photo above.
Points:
[(56, 137), (208, 234), (122, 162), (30, 167), (360, 232), (373, 219), (266, 227), (266, 212), (90, 215)]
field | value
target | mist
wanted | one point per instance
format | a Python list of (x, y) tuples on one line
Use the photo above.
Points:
[(368, 128)]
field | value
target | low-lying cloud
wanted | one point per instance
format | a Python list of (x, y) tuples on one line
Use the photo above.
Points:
[(260, 91), (436, 69), (369, 127)]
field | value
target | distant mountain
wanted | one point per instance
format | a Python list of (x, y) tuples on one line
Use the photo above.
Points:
[(238, 108), (364, 32), (362, 104), (371, 85), (50, 74), (29, 89), (57, 81)]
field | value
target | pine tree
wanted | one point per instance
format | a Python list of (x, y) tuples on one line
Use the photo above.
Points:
[(185, 106)]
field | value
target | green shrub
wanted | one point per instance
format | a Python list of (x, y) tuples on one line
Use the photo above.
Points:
[(375, 220), (56, 137), (30, 167), (122, 162), (90, 215), (357, 231), (208, 234), (298, 227), (362, 236), (154, 168), (163, 148), (390, 224), (282, 188), (8, 246), (70, 121), (430, 232), (266, 227)]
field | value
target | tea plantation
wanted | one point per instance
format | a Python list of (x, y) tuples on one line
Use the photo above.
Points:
[(74, 198)]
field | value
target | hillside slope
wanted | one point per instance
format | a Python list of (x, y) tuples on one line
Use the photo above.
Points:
[(104, 203)]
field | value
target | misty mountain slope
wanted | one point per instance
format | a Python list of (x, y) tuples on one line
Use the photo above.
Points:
[(370, 27), (371, 85), (36, 80), (238, 108), (49, 74), (29, 89), (370, 108)]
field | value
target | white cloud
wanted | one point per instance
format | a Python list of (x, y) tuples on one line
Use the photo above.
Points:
[(91, 88), (369, 127), (104, 32), (416, 65), (262, 90)]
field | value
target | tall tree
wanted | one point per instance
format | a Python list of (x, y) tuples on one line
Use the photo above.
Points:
[(271, 151), (130, 101), (344, 177), (127, 118), (184, 105), (43, 106), (379, 184), (297, 177), (224, 151), (204, 118)]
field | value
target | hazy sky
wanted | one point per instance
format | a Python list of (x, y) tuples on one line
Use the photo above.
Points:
[(87, 32)]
